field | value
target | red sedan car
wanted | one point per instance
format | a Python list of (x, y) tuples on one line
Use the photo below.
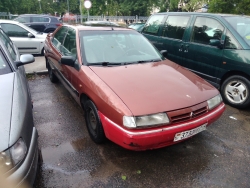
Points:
[(129, 92)]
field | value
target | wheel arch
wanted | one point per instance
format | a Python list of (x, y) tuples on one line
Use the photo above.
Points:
[(83, 98), (233, 73)]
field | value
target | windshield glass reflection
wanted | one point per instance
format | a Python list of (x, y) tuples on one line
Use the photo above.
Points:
[(241, 25), (117, 47)]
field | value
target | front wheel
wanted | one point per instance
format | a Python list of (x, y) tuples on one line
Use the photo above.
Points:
[(93, 122), (235, 91)]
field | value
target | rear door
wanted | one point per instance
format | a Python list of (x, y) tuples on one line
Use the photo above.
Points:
[(200, 54), (153, 30), (173, 36)]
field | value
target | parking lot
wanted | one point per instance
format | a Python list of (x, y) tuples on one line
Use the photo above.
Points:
[(217, 157)]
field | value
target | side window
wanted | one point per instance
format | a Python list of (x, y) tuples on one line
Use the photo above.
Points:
[(40, 19), (70, 43), (14, 30), (230, 42), (59, 37), (205, 29), (175, 26), (9, 45), (153, 24)]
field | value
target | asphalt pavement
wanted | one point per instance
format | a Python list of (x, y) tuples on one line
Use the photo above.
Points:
[(37, 67)]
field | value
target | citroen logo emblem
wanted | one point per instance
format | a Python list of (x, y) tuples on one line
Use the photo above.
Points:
[(191, 114)]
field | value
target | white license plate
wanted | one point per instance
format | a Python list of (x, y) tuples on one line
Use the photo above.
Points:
[(187, 134)]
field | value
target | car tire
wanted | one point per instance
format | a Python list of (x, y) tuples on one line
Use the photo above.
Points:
[(93, 122), (52, 76), (235, 91)]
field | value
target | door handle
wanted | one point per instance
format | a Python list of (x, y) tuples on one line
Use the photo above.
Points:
[(186, 49), (181, 48)]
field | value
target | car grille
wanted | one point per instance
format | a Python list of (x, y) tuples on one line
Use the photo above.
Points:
[(187, 113)]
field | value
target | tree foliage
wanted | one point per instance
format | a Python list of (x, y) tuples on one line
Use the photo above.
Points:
[(230, 7), (122, 7)]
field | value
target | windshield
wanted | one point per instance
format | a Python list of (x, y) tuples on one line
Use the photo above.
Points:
[(122, 47), (241, 25)]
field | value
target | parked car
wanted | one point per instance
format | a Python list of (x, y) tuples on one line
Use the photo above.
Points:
[(129, 92), (40, 22), (214, 46), (26, 39), (18, 136), (137, 26)]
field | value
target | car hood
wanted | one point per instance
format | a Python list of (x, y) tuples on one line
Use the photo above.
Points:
[(155, 87), (6, 95)]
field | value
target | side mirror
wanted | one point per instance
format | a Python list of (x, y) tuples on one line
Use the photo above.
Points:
[(68, 60), (215, 42), (164, 52), (30, 35), (25, 59)]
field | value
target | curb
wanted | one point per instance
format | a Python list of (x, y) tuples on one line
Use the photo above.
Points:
[(43, 72)]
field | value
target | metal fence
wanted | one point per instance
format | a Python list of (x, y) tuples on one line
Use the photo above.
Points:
[(83, 18), (7, 15), (125, 19)]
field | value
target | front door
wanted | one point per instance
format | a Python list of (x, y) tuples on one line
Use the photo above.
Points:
[(55, 56), (19, 36), (200, 54)]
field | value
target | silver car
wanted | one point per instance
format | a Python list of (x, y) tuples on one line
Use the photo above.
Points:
[(18, 136), (26, 39)]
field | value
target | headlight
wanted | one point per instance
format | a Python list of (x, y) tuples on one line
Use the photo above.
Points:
[(149, 120), (215, 101), (13, 155)]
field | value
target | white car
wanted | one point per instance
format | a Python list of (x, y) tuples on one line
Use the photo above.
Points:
[(26, 39)]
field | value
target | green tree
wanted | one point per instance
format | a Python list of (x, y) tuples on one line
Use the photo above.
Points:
[(230, 7), (192, 5)]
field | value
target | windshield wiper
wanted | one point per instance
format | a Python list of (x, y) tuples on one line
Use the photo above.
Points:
[(151, 60), (104, 64)]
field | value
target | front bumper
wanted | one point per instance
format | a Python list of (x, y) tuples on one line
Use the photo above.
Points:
[(152, 138), (25, 174)]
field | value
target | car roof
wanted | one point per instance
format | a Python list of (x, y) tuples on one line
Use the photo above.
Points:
[(100, 23), (200, 13), (98, 28), (9, 21), (41, 15)]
